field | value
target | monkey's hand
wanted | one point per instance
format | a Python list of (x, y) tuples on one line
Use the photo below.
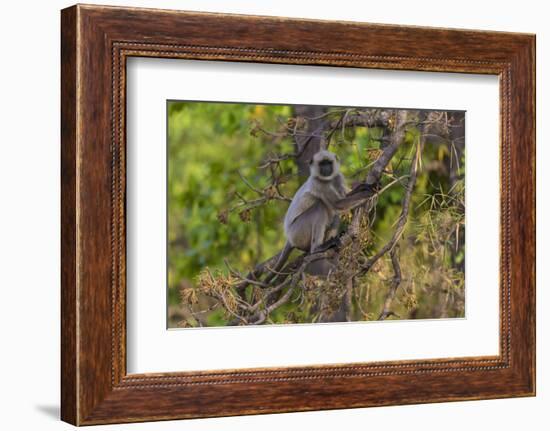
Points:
[(364, 188)]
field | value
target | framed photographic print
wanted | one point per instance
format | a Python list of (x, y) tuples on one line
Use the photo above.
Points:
[(324, 214)]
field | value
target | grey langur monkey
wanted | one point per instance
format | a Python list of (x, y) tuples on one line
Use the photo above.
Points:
[(312, 217)]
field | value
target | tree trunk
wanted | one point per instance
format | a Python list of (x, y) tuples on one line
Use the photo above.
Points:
[(307, 146)]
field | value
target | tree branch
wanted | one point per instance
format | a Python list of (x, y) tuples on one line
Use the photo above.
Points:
[(395, 282), (404, 211)]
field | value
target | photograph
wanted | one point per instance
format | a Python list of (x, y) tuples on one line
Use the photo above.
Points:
[(306, 214)]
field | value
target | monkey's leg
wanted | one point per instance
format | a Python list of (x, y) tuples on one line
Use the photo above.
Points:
[(322, 266), (332, 239), (320, 224), (333, 228)]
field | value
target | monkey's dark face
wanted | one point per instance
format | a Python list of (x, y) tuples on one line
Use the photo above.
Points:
[(326, 168), (324, 165)]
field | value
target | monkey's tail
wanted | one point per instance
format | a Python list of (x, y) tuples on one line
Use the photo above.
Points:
[(281, 260)]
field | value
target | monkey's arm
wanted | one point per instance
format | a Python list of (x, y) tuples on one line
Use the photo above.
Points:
[(357, 196), (304, 203)]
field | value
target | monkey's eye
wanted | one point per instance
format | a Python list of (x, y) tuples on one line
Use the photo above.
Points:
[(310, 161)]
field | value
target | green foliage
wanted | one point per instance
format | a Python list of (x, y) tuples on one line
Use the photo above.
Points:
[(208, 145)]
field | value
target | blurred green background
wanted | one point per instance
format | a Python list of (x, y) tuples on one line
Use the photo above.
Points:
[(210, 143)]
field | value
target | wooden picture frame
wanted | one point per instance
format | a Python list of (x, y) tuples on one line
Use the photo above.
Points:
[(95, 43)]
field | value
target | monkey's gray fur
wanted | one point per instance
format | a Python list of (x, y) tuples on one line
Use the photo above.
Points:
[(312, 217)]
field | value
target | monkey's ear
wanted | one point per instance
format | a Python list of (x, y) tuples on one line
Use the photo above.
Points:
[(337, 158)]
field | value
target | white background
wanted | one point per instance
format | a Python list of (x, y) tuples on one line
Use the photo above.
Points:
[(151, 348), (29, 220)]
